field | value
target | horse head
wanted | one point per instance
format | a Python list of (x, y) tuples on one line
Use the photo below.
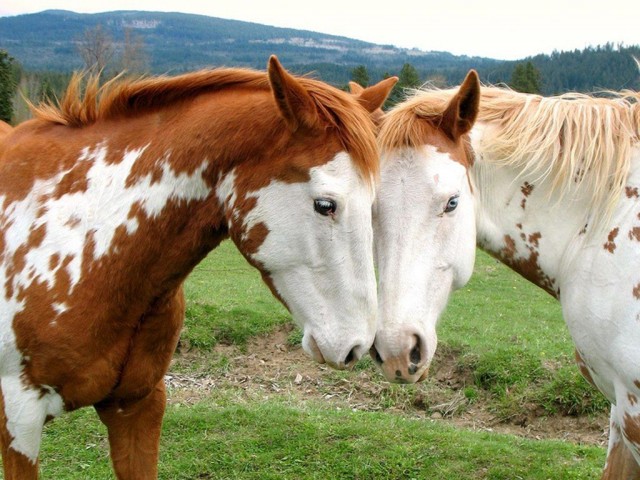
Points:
[(424, 226)]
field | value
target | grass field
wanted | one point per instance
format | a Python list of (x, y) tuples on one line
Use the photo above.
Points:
[(504, 353)]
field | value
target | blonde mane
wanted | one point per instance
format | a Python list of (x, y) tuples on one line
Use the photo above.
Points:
[(571, 140), (85, 102)]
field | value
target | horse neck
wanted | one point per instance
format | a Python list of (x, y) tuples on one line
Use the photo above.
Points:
[(154, 183), (161, 219), (524, 224), (212, 147)]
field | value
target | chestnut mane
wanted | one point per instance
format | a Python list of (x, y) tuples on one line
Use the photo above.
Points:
[(86, 102)]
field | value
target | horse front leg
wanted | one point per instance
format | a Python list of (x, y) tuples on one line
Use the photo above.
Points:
[(16, 465), (134, 433), (621, 463)]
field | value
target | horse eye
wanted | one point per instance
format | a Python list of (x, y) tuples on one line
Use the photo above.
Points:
[(324, 206), (452, 204)]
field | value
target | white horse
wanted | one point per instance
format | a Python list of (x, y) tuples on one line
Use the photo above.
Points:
[(551, 187)]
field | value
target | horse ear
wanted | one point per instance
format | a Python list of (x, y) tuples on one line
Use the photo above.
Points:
[(461, 113), (294, 102), (355, 88), (372, 98)]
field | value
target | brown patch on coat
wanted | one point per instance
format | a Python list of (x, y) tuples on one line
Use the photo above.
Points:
[(631, 192), (74, 181), (621, 465), (254, 238), (526, 189), (584, 369), (634, 234), (610, 245), (509, 250), (636, 291), (527, 265), (534, 239), (631, 428)]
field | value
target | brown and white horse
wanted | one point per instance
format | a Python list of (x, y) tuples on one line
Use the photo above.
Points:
[(108, 203), (550, 186)]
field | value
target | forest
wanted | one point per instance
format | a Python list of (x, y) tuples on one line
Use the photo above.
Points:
[(38, 53)]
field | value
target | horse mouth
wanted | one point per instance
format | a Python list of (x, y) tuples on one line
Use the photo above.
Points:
[(314, 351), (423, 375), (395, 373)]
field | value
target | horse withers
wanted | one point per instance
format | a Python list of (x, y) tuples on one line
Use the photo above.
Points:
[(548, 185), (5, 129), (111, 199)]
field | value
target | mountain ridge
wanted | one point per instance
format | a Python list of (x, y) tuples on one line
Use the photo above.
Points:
[(181, 42), (178, 42)]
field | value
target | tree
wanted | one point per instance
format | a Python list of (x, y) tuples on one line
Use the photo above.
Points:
[(96, 49), (7, 86), (134, 56), (47, 92), (360, 75), (525, 78), (408, 77)]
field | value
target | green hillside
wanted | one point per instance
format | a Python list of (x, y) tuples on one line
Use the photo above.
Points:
[(176, 42)]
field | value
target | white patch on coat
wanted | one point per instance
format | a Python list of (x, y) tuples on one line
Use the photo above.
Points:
[(26, 410), (97, 213), (227, 195)]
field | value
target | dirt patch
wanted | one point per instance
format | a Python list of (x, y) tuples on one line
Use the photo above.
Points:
[(268, 367)]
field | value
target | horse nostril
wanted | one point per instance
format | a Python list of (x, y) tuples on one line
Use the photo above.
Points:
[(351, 356), (415, 355), (373, 351)]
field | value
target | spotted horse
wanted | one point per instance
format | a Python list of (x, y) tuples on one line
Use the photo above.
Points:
[(111, 199), (548, 185)]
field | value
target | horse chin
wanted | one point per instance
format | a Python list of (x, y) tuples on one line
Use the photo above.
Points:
[(417, 378)]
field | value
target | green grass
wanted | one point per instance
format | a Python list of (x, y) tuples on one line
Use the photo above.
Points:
[(227, 302), (507, 336), (511, 335), (272, 440)]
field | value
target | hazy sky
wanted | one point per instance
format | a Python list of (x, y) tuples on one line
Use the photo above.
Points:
[(492, 28)]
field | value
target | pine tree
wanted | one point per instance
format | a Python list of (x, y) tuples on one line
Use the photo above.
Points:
[(7, 86), (409, 77), (525, 78), (360, 75)]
